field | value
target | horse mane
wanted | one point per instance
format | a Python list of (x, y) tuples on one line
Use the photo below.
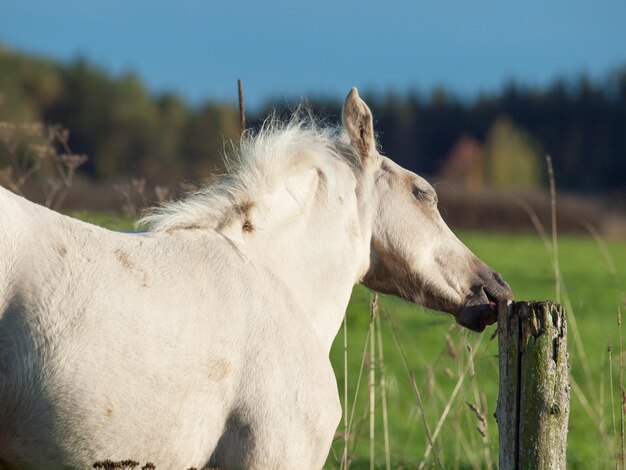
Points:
[(262, 160)]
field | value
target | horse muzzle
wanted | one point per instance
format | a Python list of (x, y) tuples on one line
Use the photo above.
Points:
[(481, 307)]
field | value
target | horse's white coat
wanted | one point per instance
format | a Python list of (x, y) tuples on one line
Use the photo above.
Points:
[(206, 339)]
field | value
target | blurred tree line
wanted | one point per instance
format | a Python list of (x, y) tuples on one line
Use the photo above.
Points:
[(579, 123), (498, 139), (115, 121)]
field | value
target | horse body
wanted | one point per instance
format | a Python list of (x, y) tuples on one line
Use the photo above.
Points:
[(100, 345), (206, 339)]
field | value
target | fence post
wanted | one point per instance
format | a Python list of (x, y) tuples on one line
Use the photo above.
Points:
[(533, 401)]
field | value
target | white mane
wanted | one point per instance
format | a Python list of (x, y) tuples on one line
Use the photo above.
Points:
[(262, 161)]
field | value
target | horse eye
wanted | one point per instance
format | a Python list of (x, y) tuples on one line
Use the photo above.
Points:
[(425, 196)]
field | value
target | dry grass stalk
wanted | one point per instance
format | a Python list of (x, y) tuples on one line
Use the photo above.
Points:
[(452, 350), (37, 149), (534, 218), (621, 384), (372, 378), (555, 246), (383, 392), (482, 420), (483, 426), (610, 350), (344, 458), (133, 196), (416, 391), (162, 193), (345, 461), (457, 445), (451, 399), (604, 250)]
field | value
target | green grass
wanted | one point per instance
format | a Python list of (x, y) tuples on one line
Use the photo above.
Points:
[(595, 294), (437, 352)]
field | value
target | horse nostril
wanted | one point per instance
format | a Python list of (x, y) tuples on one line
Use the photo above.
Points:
[(493, 285), (501, 289), (498, 277)]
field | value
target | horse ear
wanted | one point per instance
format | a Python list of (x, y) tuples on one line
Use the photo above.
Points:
[(358, 123)]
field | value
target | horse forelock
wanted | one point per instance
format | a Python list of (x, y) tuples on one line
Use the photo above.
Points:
[(262, 161)]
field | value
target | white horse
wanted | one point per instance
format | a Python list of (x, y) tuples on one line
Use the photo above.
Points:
[(206, 339)]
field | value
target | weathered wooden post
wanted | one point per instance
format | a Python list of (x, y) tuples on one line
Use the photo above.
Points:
[(533, 401)]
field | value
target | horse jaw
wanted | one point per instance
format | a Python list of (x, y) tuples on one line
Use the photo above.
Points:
[(473, 302)]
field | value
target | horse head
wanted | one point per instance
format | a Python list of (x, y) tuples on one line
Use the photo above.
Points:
[(412, 252)]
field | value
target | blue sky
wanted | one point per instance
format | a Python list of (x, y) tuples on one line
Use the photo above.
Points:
[(287, 49)]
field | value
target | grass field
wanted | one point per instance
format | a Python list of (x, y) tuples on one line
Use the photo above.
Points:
[(439, 353)]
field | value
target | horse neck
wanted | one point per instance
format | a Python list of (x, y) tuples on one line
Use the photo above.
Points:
[(320, 258)]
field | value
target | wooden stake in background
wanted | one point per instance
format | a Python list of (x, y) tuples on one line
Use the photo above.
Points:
[(242, 108)]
